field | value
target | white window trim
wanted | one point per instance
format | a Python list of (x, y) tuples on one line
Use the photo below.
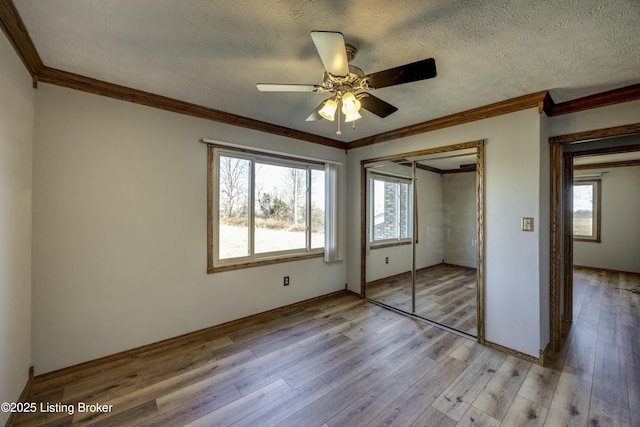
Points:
[(373, 243)]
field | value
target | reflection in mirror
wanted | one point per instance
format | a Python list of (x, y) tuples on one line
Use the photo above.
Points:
[(444, 214)]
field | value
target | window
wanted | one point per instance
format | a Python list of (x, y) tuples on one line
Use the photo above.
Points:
[(390, 209), (586, 210), (264, 208)]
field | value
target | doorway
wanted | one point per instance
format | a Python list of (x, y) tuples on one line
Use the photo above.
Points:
[(422, 235), (564, 149)]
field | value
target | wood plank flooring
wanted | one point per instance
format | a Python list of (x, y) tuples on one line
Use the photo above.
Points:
[(347, 362), (445, 294)]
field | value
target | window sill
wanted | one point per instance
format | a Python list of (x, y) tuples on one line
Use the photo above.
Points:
[(230, 267), (578, 239), (390, 245)]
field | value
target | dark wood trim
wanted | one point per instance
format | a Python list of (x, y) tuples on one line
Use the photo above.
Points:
[(426, 168), (598, 134), (611, 97), (512, 352), (496, 109), (555, 279), (567, 236), (480, 224), (620, 164), (123, 93), (426, 151), (363, 229), (262, 263), (440, 171), (355, 294), (546, 356), (174, 340), (547, 105), (390, 245), (608, 150), (210, 172), (607, 270), (18, 36), (448, 171)]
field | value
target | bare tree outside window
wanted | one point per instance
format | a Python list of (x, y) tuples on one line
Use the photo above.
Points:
[(234, 175), (234, 207)]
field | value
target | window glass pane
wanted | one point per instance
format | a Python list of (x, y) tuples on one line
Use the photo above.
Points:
[(317, 208), (234, 212), (280, 208), (385, 215), (583, 210)]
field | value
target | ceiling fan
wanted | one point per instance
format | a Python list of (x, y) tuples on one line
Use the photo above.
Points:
[(348, 84)]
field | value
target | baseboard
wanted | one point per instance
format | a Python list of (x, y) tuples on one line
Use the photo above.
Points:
[(606, 269), (355, 294), (22, 397), (174, 340), (513, 352), (545, 355)]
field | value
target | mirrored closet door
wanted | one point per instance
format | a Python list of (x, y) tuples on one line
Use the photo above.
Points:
[(423, 239)]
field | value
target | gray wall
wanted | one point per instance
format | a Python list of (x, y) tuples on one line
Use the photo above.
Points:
[(16, 137)]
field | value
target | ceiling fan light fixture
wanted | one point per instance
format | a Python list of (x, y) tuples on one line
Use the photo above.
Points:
[(352, 117), (350, 104), (328, 110)]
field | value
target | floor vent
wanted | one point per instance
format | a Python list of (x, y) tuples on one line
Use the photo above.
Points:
[(293, 312)]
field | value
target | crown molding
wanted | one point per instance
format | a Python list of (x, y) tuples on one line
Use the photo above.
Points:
[(538, 99), (18, 36), (611, 97)]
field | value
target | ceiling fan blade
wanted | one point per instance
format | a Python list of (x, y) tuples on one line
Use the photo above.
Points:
[(420, 70), (330, 46), (277, 87), (377, 106), (316, 113)]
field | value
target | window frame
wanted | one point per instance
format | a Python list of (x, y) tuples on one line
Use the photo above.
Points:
[(394, 241), (214, 263), (597, 210)]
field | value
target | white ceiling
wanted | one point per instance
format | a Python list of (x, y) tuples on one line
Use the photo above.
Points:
[(212, 53)]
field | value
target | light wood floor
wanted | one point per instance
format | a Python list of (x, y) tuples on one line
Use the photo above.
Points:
[(346, 362), (445, 294)]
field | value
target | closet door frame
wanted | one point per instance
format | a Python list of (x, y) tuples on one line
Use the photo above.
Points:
[(480, 212)]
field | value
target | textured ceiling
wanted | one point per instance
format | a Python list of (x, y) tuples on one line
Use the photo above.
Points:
[(213, 52)]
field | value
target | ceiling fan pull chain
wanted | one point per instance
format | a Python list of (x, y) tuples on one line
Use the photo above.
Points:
[(339, 116)]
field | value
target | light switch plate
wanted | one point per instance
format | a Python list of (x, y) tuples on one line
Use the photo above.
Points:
[(527, 223)]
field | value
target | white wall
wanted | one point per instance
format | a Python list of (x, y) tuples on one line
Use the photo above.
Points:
[(543, 230), (120, 223), (461, 232), (512, 190), (16, 138), (619, 248)]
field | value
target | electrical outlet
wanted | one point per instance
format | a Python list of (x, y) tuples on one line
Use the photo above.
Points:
[(286, 280), (527, 224), (386, 260)]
